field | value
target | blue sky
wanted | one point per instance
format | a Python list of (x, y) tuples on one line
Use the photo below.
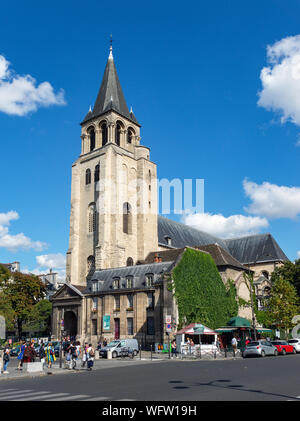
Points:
[(192, 73)]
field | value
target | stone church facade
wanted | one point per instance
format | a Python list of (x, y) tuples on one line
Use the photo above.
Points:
[(120, 248)]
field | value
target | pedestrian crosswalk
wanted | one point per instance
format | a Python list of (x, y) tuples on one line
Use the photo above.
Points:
[(46, 395)]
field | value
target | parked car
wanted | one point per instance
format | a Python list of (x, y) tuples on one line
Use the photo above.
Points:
[(284, 348), (260, 348), (116, 347), (296, 343)]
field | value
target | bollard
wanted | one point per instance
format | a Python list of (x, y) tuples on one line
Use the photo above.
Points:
[(151, 351), (140, 352), (225, 352), (109, 355)]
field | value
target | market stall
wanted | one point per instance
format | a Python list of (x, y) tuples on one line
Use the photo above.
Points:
[(196, 338)]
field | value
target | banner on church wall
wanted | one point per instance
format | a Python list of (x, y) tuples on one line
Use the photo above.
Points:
[(106, 322)]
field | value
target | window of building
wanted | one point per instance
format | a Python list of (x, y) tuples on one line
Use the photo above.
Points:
[(129, 135), (88, 177), (127, 218), (94, 327), (94, 285), (150, 300), (104, 133), (117, 302), (150, 326), (95, 304), (92, 139), (265, 274), (97, 173), (130, 326), (129, 282), (90, 264), (149, 280), (116, 283), (130, 301), (92, 218), (168, 240), (129, 261), (118, 134)]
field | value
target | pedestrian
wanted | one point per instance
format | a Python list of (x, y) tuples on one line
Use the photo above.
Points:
[(42, 354), (73, 354), (50, 355), (104, 342), (27, 353), (90, 355), (21, 356), (99, 345), (6, 359), (32, 353), (234, 344), (84, 354), (173, 349)]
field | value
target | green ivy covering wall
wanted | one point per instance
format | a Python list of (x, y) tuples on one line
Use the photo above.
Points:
[(200, 292)]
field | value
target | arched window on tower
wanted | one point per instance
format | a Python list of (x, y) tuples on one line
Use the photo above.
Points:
[(88, 178), (127, 218), (97, 173), (104, 133), (130, 134), (92, 218), (129, 261), (118, 134), (90, 264), (92, 139)]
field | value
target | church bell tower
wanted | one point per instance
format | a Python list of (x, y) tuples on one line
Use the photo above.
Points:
[(113, 219)]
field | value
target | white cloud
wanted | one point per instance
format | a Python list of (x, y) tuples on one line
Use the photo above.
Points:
[(298, 254), (50, 261), (17, 241), (272, 201), (226, 227), (19, 95), (281, 79)]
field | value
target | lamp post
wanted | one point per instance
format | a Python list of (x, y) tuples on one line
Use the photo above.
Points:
[(61, 341)]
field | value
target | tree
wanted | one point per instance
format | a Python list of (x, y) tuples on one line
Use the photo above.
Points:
[(39, 318), (7, 312), (290, 272), (4, 275), (22, 292), (282, 305)]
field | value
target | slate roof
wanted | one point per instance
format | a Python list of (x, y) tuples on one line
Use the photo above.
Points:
[(246, 250), (110, 96), (138, 274), (182, 235), (255, 249), (221, 256)]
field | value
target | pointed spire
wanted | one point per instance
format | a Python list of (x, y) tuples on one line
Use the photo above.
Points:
[(110, 57)]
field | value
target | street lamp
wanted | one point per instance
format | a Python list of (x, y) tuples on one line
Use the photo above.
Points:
[(61, 341)]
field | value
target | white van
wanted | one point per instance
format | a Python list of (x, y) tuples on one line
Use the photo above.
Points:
[(117, 345)]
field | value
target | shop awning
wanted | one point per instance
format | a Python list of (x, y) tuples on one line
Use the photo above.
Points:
[(261, 329), (226, 329)]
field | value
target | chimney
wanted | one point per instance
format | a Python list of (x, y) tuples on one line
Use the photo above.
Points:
[(157, 258)]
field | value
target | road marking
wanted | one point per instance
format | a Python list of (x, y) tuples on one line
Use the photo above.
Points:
[(99, 398), (6, 390), (8, 394), (68, 398), (121, 400), (48, 395)]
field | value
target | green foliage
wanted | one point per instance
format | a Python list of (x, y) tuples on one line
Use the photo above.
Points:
[(4, 275), (7, 312), (282, 305), (22, 292), (200, 292), (39, 318), (290, 272)]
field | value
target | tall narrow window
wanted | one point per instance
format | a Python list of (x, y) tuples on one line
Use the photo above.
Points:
[(117, 303), (104, 133), (90, 264), (129, 135), (129, 326), (129, 282), (92, 139), (118, 134), (92, 218), (130, 302), (88, 178), (127, 218), (97, 173), (149, 280)]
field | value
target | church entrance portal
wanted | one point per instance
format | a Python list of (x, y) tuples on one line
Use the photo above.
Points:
[(70, 324)]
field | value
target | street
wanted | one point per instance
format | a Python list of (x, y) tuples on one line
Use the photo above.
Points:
[(252, 379)]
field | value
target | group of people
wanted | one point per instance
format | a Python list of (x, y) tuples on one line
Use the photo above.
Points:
[(73, 352)]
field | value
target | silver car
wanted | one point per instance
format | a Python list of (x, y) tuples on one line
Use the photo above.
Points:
[(259, 348)]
